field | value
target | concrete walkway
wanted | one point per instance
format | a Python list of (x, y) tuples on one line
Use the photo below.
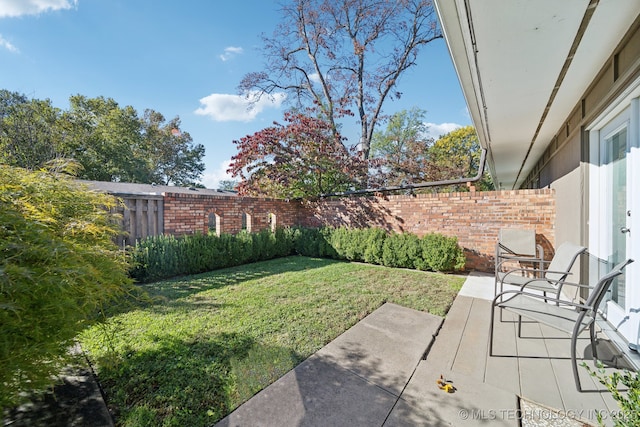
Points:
[(355, 380), (373, 375)]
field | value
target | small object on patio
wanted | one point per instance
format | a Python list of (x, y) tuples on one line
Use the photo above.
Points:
[(445, 385)]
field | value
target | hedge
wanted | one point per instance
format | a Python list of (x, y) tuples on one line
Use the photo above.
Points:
[(162, 257)]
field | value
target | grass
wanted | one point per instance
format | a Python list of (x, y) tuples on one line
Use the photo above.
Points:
[(205, 344)]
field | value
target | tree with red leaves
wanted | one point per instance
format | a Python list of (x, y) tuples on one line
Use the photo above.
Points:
[(343, 56), (305, 157)]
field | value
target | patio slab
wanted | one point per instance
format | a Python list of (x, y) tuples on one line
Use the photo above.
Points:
[(318, 392), (354, 380), (473, 402)]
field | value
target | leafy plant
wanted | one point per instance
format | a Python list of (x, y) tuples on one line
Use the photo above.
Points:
[(304, 157), (441, 253), (161, 257), (59, 268), (628, 402)]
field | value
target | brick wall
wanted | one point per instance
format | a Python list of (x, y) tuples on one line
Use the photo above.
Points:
[(473, 217), (189, 213)]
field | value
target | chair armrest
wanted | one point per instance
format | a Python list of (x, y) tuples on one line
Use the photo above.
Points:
[(519, 259), (532, 258), (558, 301), (534, 270)]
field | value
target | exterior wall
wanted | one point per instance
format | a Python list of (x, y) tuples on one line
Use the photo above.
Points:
[(189, 213), (563, 166), (474, 217), (622, 68)]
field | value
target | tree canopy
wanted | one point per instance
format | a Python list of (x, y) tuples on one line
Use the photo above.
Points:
[(344, 57), (302, 158), (457, 154), (110, 142), (408, 156), (403, 149)]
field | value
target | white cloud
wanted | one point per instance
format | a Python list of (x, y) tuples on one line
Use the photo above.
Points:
[(212, 179), (314, 77), (222, 107), (230, 52), (435, 130), (6, 44), (14, 8)]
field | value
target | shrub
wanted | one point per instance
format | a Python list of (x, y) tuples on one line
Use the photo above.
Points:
[(161, 257), (58, 268), (441, 253), (314, 242), (374, 245), (401, 250), (628, 402)]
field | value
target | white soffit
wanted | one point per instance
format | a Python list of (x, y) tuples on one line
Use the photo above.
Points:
[(509, 55)]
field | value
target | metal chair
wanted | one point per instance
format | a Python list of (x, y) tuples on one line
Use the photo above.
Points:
[(549, 279), (572, 318), (516, 245)]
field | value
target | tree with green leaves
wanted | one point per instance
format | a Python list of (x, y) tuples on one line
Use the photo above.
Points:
[(457, 154), (408, 156), (111, 143), (172, 159), (403, 149), (59, 268), (29, 135), (105, 139)]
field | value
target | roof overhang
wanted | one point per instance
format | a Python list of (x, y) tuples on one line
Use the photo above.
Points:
[(524, 65)]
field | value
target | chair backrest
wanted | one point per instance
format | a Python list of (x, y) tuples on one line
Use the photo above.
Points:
[(564, 258), (601, 288), (518, 241)]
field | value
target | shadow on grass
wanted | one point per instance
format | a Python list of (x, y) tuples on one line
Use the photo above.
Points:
[(188, 285), (167, 292), (190, 383)]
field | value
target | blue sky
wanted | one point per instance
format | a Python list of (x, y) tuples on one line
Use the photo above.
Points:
[(181, 59)]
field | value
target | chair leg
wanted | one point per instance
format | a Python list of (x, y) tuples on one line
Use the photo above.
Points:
[(519, 326), (493, 314), (574, 362), (592, 336)]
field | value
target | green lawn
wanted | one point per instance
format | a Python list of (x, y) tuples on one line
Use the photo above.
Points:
[(209, 342)]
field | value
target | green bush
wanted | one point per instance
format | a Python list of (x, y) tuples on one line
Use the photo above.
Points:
[(441, 253), (58, 268), (402, 250), (375, 246), (628, 402), (161, 257), (314, 242)]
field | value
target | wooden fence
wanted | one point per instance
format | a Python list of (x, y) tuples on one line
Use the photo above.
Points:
[(142, 216)]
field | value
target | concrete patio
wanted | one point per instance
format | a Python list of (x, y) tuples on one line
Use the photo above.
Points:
[(383, 372)]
